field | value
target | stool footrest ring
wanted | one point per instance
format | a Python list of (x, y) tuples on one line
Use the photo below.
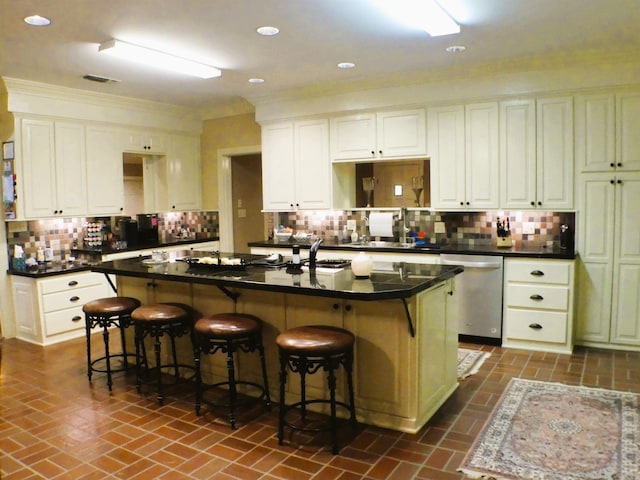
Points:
[(111, 357), (293, 406)]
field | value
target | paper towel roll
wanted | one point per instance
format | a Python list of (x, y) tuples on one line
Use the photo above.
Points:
[(381, 224)]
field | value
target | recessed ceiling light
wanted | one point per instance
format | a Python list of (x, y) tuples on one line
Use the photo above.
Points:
[(268, 31), (456, 48), (37, 21), (346, 65), (256, 80)]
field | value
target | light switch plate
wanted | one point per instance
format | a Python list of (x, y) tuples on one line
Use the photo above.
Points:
[(351, 225), (528, 228), (439, 227)]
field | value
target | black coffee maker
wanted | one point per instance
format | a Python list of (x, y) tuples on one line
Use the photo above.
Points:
[(147, 229), (129, 231)]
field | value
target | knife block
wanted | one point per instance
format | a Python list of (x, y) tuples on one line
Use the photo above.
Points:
[(504, 242)]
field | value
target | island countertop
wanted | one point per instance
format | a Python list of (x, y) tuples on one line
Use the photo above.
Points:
[(387, 280)]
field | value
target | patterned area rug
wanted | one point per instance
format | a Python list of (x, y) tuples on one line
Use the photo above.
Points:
[(470, 361), (550, 431)]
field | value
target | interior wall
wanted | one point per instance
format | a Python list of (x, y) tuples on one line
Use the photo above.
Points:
[(223, 133), (246, 186)]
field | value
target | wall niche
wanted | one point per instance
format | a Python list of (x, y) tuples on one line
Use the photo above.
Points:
[(388, 176)]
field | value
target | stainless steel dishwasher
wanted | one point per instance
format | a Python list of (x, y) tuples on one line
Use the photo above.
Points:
[(479, 290)]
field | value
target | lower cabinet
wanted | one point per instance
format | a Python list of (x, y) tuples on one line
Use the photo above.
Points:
[(538, 305), (49, 310)]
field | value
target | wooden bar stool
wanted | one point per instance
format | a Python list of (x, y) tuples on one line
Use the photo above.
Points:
[(229, 333), (157, 321), (306, 350), (107, 313)]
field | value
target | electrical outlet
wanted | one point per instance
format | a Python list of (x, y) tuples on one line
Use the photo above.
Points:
[(351, 225), (439, 227), (528, 228)]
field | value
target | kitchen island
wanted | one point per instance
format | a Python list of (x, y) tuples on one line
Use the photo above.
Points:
[(404, 318)]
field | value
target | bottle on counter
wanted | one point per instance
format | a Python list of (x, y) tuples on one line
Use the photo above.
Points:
[(296, 255)]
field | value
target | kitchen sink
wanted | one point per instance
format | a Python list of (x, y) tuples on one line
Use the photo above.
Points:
[(382, 244)]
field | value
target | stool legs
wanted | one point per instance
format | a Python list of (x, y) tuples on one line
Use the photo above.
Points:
[(105, 338), (233, 393), (283, 382)]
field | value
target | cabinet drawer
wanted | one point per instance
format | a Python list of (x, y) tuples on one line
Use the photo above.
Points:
[(64, 321), (71, 298), (70, 282), (536, 326), (538, 272), (537, 296)]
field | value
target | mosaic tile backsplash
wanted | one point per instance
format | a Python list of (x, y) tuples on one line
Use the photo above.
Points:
[(63, 234), (461, 228)]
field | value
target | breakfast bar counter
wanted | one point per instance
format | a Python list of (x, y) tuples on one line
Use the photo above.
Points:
[(404, 317)]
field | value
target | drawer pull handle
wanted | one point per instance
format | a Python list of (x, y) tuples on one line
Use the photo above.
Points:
[(72, 283), (536, 297), (535, 326), (77, 318), (75, 298), (537, 273)]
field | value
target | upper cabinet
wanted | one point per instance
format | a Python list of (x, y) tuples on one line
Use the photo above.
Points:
[(463, 147), (105, 180), (379, 136), (296, 169), (52, 168), (183, 165), (536, 153), (144, 142), (606, 132)]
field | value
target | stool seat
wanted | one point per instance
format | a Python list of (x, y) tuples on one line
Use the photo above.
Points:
[(228, 325), (157, 321), (106, 313), (111, 306), (316, 340), (229, 333), (159, 313)]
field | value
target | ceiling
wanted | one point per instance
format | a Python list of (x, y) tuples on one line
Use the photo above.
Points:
[(315, 35)]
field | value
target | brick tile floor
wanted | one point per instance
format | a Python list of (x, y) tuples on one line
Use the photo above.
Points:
[(54, 424)]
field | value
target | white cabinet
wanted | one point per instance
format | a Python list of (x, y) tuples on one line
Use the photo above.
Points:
[(536, 153), (52, 165), (538, 305), (463, 146), (184, 175), (377, 136), (296, 171), (105, 180), (144, 142), (606, 132), (609, 268), (49, 310)]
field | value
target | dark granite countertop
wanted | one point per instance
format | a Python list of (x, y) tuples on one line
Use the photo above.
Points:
[(387, 281), (51, 269), (522, 252)]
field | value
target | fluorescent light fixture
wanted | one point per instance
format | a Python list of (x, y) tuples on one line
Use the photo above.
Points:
[(158, 59), (427, 15)]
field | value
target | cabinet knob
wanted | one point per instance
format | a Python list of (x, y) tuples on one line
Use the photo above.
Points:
[(380, 152), (537, 273), (468, 203), (348, 308), (612, 165), (619, 182), (55, 212), (75, 298), (462, 204), (535, 326), (619, 164), (373, 153), (72, 283), (612, 181), (77, 318), (121, 209), (539, 203), (536, 297), (533, 204), (336, 306)]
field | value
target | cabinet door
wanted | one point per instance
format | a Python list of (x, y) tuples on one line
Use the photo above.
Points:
[(626, 284), (482, 161), (555, 153), (278, 167), (105, 183), (595, 133), (184, 173), (39, 168), (628, 140), (25, 303), (446, 140), (71, 177), (401, 134), (353, 136), (312, 164), (517, 154), (144, 142)]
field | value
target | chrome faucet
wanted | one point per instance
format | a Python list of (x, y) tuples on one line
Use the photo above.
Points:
[(313, 252), (403, 228)]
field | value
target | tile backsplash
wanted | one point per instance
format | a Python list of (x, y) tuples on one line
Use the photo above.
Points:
[(461, 228), (63, 234)]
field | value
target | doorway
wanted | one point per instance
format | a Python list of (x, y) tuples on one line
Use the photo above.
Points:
[(246, 198)]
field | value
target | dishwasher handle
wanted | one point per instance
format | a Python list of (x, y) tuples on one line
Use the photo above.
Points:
[(482, 265)]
